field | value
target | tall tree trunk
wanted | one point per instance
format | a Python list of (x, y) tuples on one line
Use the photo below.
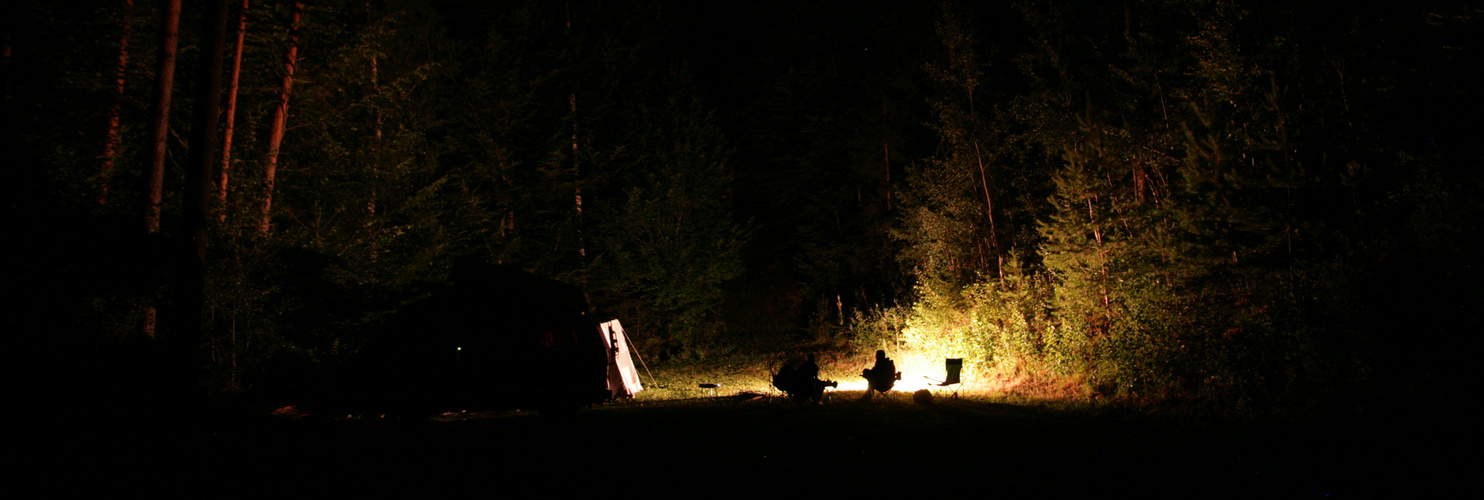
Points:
[(994, 237), (227, 320), (375, 169), (376, 147), (111, 136), (280, 118), (576, 163), (159, 127), (159, 120), (577, 176), (230, 118), (376, 153), (199, 163)]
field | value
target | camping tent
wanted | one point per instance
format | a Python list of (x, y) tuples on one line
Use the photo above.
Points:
[(623, 379), (498, 338)]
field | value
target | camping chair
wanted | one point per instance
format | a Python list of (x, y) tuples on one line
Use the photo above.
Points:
[(883, 383), (953, 366)]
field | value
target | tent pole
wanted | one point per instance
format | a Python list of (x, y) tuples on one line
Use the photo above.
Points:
[(641, 359)]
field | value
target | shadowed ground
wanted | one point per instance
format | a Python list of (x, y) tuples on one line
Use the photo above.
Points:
[(733, 447)]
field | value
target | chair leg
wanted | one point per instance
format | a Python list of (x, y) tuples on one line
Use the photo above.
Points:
[(951, 390)]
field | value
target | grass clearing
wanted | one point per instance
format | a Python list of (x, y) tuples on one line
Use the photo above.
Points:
[(752, 373)]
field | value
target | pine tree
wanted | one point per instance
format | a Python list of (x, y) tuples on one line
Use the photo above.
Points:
[(669, 242)]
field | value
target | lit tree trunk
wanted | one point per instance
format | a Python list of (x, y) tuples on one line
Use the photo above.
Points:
[(994, 238), (199, 162), (159, 121), (376, 154), (375, 169), (159, 127), (280, 118), (994, 244), (1097, 234), (577, 174), (231, 115), (111, 137)]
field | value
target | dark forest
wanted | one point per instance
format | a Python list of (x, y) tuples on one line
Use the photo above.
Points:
[(1223, 207)]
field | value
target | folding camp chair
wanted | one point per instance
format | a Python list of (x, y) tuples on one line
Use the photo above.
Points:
[(953, 367), (883, 384)]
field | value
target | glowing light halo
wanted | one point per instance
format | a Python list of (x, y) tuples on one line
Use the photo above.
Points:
[(914, 365), (904, 385)]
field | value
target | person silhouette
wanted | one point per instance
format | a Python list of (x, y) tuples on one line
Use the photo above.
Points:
[(799, 378), (882, 376), (810, 369)]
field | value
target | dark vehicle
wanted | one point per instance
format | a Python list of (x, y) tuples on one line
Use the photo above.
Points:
[(498, 338)]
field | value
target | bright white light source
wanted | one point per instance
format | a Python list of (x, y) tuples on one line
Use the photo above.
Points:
[(914, 365)]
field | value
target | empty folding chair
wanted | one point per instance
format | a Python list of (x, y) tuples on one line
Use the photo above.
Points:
[(953, 366)]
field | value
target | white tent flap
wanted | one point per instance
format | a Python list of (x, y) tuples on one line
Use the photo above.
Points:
[(623, 379)]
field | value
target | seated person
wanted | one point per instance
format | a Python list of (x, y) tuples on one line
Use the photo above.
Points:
[(799, 377), (884, 375)]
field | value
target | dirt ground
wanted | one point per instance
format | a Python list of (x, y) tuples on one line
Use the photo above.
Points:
[(733, 447)]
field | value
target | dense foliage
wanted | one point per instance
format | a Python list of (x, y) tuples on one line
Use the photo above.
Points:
[(1206, 201)]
